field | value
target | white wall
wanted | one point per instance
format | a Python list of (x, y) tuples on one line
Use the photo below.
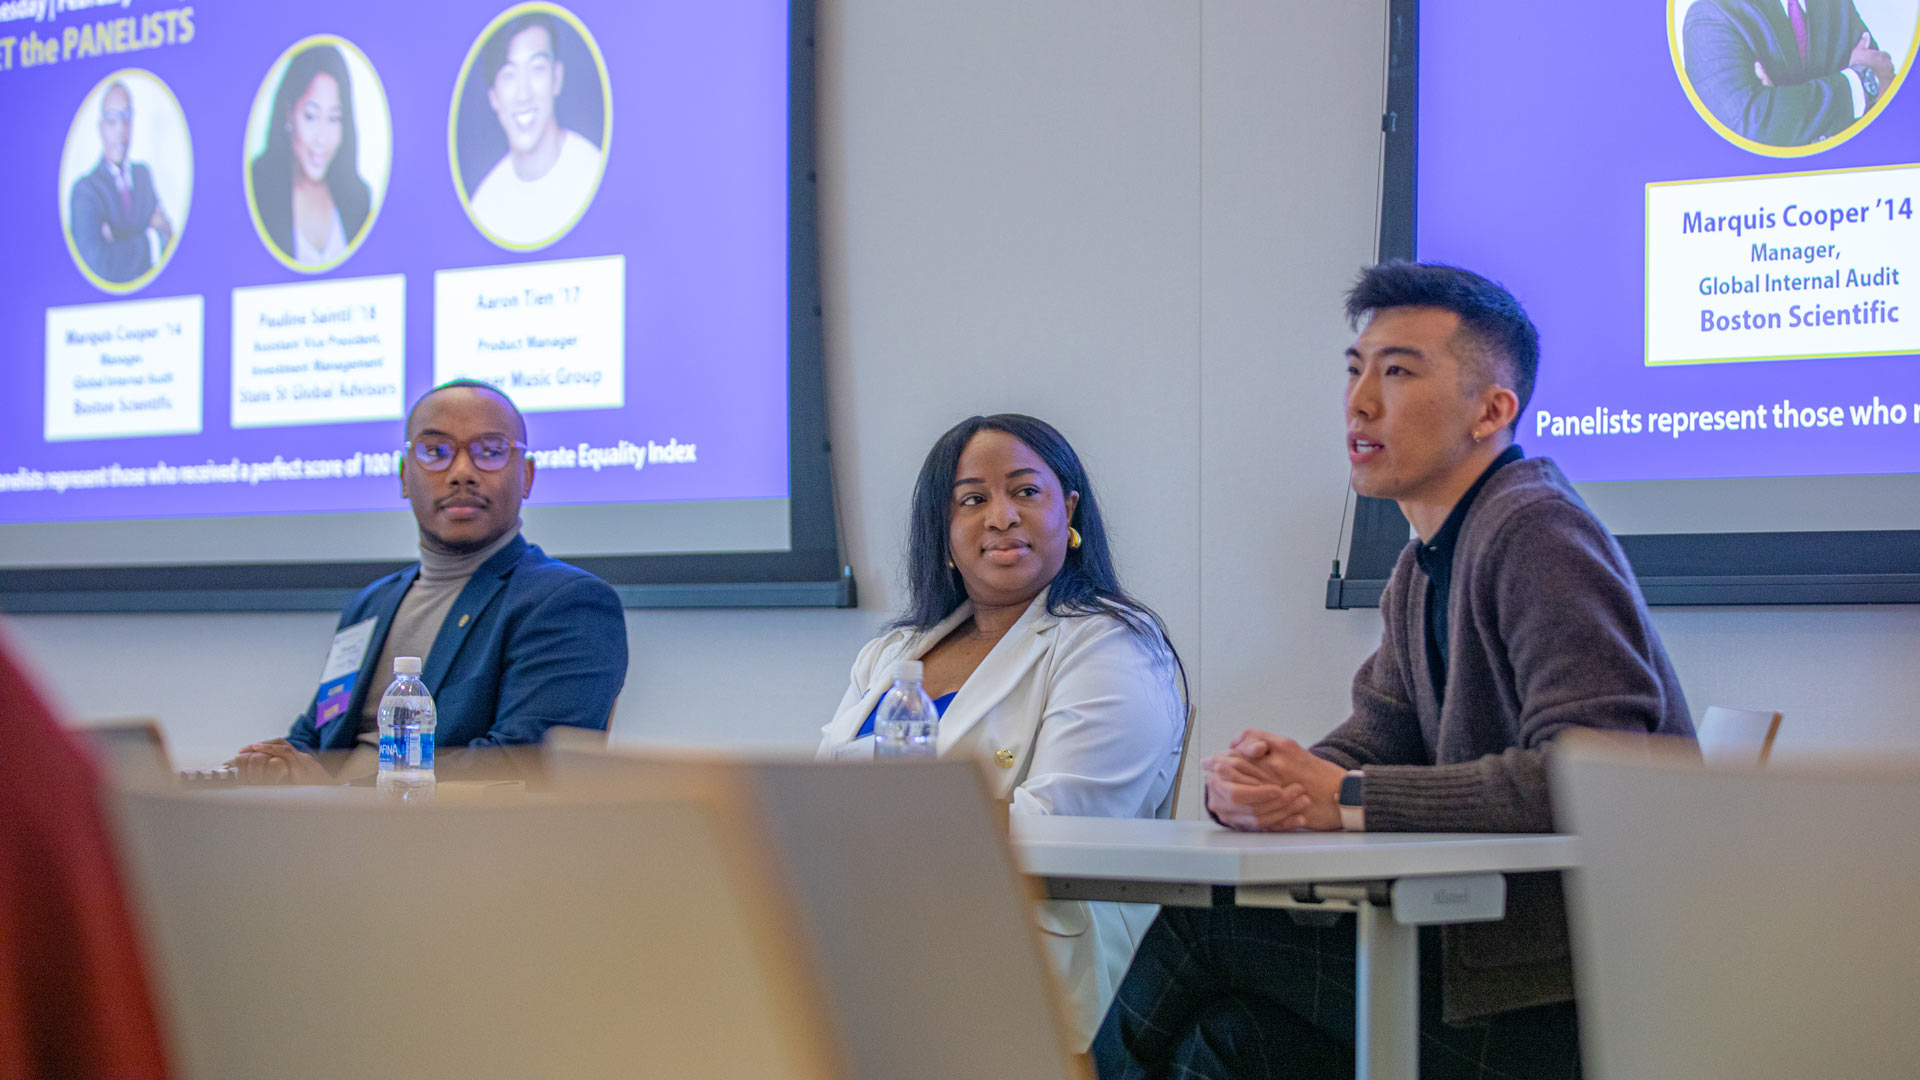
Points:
[(1133, 218)]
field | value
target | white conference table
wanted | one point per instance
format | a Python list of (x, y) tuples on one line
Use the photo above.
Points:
[(1393, 882)]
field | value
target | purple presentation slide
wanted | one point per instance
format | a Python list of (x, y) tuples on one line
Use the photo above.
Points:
[(242, 238), (1713, 217)]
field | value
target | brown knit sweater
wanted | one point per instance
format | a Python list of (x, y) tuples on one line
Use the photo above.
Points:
[(1547, 631)]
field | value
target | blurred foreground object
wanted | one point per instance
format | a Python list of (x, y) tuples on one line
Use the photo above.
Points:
[(574, 937), (900, 880), (1743, 924), (73, 992)]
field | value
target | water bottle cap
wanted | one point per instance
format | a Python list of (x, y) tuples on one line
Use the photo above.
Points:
[(911, 670), (406, 665)]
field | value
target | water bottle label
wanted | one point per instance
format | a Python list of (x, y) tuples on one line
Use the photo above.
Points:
[(424, 743), (386, 752)]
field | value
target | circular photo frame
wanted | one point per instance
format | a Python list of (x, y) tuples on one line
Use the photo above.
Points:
[(1790, 78), (318, 153), (126, 181), (530, 126)]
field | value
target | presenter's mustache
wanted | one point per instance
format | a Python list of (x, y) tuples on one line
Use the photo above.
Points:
[(464, 498)]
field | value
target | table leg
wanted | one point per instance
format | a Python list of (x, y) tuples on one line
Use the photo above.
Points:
[(1387, 1017)]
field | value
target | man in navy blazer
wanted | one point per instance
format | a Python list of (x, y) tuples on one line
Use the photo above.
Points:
[(512, 642), (114, 208), (1784, 72)]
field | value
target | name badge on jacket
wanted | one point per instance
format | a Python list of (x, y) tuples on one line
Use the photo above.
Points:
[(343, 667)]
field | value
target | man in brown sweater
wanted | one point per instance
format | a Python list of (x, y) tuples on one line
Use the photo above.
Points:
[(1513, 617)]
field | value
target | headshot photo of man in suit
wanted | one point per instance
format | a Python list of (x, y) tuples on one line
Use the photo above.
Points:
[(538, 134), (1786, 73), (118, 225)]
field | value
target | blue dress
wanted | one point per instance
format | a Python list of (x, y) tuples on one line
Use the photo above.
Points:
[(939, 706)]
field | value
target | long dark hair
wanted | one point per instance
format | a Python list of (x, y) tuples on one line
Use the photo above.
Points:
[(1086, 584), (273, 169)]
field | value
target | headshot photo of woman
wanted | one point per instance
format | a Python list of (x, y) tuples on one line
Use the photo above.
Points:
[(1044, 669), (319, 152)]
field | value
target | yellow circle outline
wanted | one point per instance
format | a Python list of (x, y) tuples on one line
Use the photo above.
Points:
[(66, 226), (459, 89), (1766, 149), (246, 165)]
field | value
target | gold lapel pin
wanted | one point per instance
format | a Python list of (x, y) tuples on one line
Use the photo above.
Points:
[(1003, 758), (464, 618)]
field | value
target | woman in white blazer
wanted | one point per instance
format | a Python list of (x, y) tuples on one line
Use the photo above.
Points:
[(1065, 688)]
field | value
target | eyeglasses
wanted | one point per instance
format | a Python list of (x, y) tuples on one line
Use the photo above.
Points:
[(489, 453), (116, 114)]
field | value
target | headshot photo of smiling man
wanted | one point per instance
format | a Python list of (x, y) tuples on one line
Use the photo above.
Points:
[(542, 90)]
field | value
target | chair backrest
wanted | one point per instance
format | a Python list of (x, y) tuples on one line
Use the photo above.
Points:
[(1170, 805), (130, 751), (1752, 925), (908, 895), (321, 933), (1737, 738)]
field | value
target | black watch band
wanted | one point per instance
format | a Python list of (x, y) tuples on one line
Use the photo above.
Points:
[(1353, 789)]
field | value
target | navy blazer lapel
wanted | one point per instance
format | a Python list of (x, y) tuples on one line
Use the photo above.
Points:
[(480, 590)]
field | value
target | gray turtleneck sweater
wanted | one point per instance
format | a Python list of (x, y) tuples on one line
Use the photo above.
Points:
[(417, 621)]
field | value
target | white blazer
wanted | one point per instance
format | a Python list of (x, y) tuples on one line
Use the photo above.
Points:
[(1075, 715)]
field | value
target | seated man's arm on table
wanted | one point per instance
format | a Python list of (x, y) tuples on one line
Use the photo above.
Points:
[(1113, 720), (564, 665), (1582, 655), (291, 760)]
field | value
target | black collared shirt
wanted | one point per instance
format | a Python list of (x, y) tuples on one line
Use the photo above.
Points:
[(1436, 558)]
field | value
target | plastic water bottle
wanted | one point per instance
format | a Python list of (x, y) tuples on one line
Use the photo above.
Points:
[(406, 734), (908, 726)]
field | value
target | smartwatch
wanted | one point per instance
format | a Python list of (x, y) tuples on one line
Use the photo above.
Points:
[(1353, 801)]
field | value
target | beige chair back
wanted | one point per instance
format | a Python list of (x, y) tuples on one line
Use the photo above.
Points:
[(1743, 925), (1171, 804), (322, 933), (1737, 738), (908, 897), (129, 751)]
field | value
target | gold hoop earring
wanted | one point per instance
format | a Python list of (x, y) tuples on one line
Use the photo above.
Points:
[(1073, 538)]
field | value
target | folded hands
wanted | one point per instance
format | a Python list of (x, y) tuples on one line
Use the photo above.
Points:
[(1267, 783)]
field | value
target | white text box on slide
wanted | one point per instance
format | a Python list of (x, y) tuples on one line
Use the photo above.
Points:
[(550, 334), (320, 352), (125, 369), (1788, 267)]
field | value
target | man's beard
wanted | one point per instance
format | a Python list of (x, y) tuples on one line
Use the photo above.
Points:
[(442, 546)]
